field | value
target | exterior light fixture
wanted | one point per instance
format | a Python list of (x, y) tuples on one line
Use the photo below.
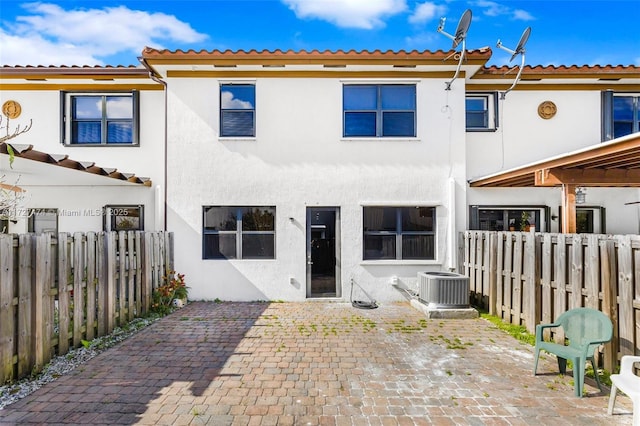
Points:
[(581, 195)]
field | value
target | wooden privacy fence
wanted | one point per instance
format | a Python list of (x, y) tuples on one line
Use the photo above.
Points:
[(57, 290), (529, 278)]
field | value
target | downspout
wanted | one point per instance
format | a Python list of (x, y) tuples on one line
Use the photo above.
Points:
[(153, 75)]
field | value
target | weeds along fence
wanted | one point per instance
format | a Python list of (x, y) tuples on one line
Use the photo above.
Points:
[(529, 278), (58, 290)]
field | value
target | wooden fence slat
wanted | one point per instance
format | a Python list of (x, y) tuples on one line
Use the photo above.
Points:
[(531, 288), (26, 272), (101, 285), (122, 278), (110, 288), (547, 260), (43, 247), (517, 287), (130, 276), (78, 291), (64, 273), (635, 242), (591, 272), (147, 274), (6, 308), (493, 272), (91, 285), (139, 266), (500, 273), (609, 298), (508, 278), (625, 300), (575, 280)]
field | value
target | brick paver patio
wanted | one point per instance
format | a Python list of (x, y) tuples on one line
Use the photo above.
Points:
[(315, 363)]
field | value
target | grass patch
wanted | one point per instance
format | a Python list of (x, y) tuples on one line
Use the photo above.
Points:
[(517, 331)]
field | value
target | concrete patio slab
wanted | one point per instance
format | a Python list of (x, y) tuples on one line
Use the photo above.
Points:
[(315, 364)]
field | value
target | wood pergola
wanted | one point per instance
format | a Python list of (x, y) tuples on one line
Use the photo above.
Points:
[(610, 164)]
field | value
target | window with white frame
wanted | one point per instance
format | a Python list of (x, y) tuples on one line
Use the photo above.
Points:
[(399, 233), (100, 118), (43, 220), (480, 110), (620, 114), (123, 218), (237, 110), (239, 232), (379, 110)]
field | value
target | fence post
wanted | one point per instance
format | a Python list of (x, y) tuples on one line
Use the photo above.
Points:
[(625, 291), (493, 272), (110, 288), (91, 285), (26, 275), (147, 273), (78, 292), (64, 272), (609, 299), (575, 281), (101, 285), (6, 308), (531, 288), (122, 274)]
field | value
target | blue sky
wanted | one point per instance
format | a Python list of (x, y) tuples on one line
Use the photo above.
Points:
[(563, 32)]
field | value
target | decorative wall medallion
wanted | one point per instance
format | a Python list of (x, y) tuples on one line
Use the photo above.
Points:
[(547, 110), (11, 109)]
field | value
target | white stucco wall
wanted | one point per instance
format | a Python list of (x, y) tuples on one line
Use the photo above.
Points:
[(68, 190), (299, 160)]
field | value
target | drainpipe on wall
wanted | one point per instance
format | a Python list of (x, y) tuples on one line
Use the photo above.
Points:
[(451, 230), (156, 77)]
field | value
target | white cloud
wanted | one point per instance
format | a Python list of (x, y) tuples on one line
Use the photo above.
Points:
[(522, 15), (362, 14), (493, 9), (425, 12), (229, 102), (51, 35)]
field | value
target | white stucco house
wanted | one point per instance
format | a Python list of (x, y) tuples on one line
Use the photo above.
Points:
[(291, 175)]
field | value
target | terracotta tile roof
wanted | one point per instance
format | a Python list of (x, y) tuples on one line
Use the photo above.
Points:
[(63, 160), (314, 56), (125, 71), (602, 71)]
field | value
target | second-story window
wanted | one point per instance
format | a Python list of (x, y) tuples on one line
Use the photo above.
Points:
[(379, 110), (237, 110), (480, 111), (626, 115), (101, 118)]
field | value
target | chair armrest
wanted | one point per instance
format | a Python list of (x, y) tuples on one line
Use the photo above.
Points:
[(541, 327), (628, 361)]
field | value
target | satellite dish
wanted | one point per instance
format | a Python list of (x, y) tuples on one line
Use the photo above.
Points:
[(519, 50), (459, 37)]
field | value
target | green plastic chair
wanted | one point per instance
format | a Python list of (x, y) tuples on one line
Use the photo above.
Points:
[(585, 329)]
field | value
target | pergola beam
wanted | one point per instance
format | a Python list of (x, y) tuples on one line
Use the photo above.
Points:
[(588, 177)]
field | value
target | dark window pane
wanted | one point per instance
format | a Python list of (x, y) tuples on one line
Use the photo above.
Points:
[(237, 123), (418, 247), (360, 124), (87, 107), (258, 219), (259, 246), (380, 219), (120, 107), (120, 132), (621, 128), (417, 219), (357, 97), (86, 132), (476, 104), (238, 96), (220, 218), (478, 120), (398, 97), (220, 246), (398, 124), (622, 108), (584, 221), (379, 247)]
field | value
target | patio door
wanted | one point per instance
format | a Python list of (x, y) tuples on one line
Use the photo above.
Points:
[(323, 252)]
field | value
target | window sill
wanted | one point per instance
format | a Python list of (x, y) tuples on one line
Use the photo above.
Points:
[(381, 139), (102, 145), (237, 139), (481, 130), (396, 262)]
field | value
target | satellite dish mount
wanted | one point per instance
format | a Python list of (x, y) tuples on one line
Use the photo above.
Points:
[(458, 38), (519, 50)]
